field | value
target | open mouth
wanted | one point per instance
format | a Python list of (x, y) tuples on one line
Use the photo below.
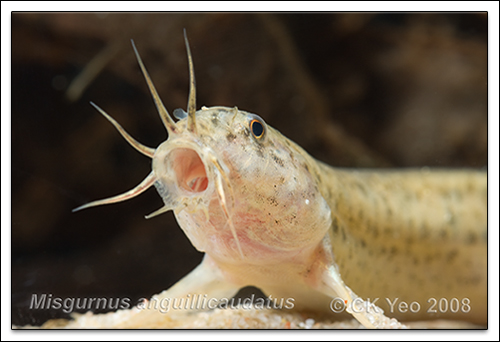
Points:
[(189, 170)]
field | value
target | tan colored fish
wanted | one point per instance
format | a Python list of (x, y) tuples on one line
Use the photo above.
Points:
[(267, 214)]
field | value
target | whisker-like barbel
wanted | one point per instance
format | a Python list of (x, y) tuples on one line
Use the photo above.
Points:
[(139, 189), (165, 117), (147, 151), (223, 204), (160, 211), (191, 121)]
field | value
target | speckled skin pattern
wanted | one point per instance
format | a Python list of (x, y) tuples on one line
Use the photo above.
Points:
[(412, 241), (416, 235)]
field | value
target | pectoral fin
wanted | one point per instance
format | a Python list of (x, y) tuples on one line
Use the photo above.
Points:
[(368, 314)]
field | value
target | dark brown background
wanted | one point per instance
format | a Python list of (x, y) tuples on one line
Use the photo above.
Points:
[(357, 90)]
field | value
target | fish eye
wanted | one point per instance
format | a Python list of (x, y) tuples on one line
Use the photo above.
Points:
[(257, 128)]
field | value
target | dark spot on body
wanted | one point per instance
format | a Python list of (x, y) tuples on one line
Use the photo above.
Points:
[(260, 151), (335, 225), (202, 126), (471, 238), (344, 238), (230, 137), (277, 160), (451, 255), (272, 201)]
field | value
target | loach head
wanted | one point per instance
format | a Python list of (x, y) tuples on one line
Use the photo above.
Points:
[(238, 188)]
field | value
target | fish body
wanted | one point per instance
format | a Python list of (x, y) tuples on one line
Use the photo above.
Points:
[(398, 236), (268, 214), (414, 236)]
